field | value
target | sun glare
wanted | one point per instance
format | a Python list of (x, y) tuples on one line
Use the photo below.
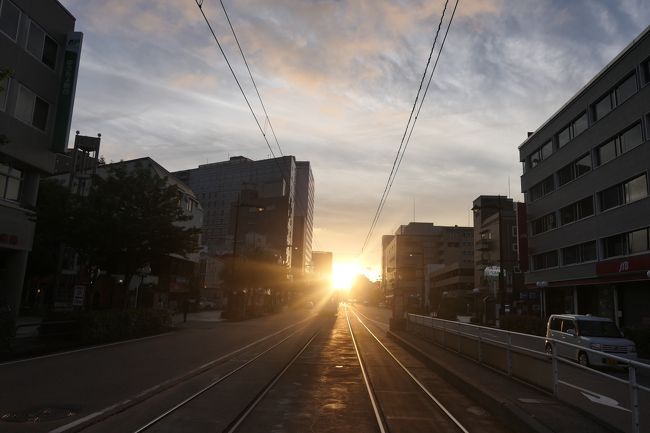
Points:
[(343, 274)]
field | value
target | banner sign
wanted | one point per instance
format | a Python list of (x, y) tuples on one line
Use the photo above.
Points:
[(67, 92)]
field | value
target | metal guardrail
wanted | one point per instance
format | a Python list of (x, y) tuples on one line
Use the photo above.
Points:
[(622, 402)]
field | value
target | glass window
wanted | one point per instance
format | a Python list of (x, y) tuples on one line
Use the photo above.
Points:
[(41, 46), (631, 138), (545, 260), (50, 49), (585, 207), (626, 89), (580, 124), (10, 180), (645, 71), (568, 214), (570, 255), (638, 241), (4, 90), (589, 251), (607, 152), (25, 105), (9, 19), (547, 150), (636, 189), (565, 174), (564, 136), (583, 165), (31, 109), (615, 246), (35, 40), (611, 197), (603, 106)]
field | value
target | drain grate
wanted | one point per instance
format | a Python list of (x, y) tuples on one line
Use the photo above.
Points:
[(39, 414)]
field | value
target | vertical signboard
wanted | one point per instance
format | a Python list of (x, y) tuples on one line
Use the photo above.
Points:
[(522, 236), (67, 91)]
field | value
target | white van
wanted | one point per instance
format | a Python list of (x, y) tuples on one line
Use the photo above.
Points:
[(597, 333)]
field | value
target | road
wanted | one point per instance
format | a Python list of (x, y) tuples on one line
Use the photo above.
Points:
[(294, 371)]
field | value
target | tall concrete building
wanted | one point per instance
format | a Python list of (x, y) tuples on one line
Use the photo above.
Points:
[(303, 226), (416, 251), (40, 48), (586, 189), (258, 201)]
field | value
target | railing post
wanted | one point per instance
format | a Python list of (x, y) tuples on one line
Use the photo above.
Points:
[(509, 355), (480, 347), (458, 325), (554, 366), (444, 340), (634, 398)]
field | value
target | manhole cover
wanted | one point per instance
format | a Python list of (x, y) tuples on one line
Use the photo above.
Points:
[(40, 414)]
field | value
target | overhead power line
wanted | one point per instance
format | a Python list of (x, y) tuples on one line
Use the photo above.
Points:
[(411, 123), (199, 3), (268, 119)]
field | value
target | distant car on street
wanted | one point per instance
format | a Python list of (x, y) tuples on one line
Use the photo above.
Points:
[(586, 331), (206, 304)]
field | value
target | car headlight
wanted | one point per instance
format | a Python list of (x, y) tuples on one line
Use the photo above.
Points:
[(596, 346)]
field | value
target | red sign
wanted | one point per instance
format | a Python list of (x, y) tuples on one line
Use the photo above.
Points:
[(624, 265), (8, 239)]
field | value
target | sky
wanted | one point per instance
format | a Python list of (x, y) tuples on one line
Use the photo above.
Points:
[(338, 79)]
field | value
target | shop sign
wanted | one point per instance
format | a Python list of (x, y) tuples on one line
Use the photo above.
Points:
[(624, 265), (79, 295)]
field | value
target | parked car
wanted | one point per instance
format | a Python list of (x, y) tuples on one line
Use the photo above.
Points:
[(586, 331)]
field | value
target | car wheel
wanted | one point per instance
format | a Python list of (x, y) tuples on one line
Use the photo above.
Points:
[(549, 350), (583, 359)]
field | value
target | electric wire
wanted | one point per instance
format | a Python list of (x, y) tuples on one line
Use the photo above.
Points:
[(199, 3), (424, 95), (268, 119), (393, 171), (404, 143)]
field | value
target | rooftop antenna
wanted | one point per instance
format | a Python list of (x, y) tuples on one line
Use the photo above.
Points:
[(413, 209), (508, 185)]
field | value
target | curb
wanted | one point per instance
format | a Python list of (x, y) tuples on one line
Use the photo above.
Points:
[(510, 414)]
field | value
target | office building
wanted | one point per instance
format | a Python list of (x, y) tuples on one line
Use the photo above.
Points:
[(40, 49), (408, 256), (585, 181), (258, 201), (303, 226)]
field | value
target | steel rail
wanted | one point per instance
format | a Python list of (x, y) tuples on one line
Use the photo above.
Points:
[(243, 415), (371, 393), (417, 382), (213, 384)]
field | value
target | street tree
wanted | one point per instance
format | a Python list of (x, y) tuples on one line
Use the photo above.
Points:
[(129, 218)]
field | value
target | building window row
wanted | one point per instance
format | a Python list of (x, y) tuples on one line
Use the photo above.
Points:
[(624, 193), (542, 188), (10, 181), (626, 243), (572, 130), (4, 91), (576, 211), (544, 224), (39, 44), (619, 144), (615, 97), (622, 142), (606, 103), (622, 244), (618, 195), (574, 170)]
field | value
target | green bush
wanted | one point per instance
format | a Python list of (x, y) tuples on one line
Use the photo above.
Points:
[(524, 324), (641, 338)]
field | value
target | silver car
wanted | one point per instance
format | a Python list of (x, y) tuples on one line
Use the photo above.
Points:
[(591, 332)]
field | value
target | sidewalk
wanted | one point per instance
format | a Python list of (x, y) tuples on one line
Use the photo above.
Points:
[(521, 406), (199, 316)]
